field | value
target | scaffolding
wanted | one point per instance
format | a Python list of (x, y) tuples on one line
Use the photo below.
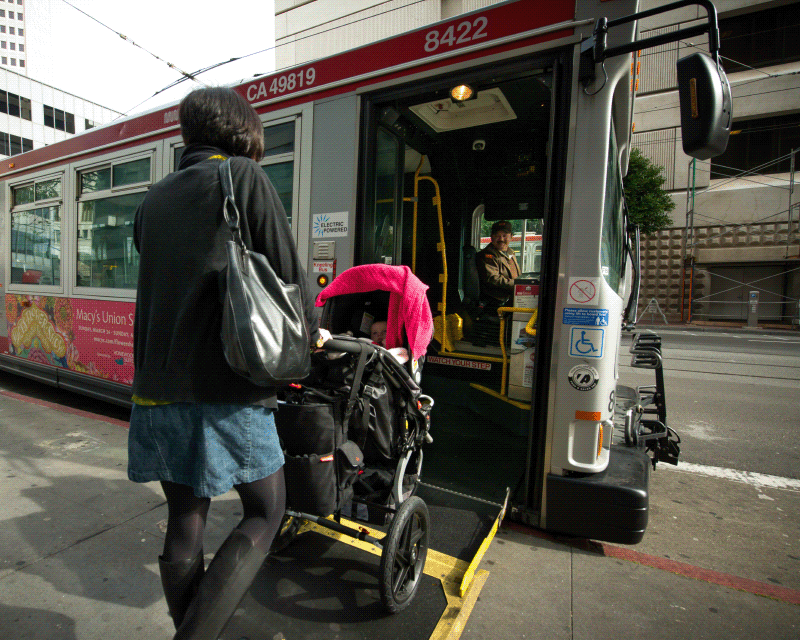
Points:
[(689, 297)]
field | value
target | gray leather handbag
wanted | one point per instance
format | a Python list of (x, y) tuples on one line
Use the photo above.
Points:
[(264, 332)]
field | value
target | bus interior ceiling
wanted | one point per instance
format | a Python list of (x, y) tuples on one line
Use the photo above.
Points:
[(489, 150), (494, 154)]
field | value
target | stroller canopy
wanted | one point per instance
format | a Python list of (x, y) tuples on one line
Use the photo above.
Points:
[(408, 311)]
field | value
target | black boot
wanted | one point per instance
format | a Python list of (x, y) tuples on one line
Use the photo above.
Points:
[(180, 580), (227, 579)]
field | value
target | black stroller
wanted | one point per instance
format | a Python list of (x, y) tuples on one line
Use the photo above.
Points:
[(352, 435)]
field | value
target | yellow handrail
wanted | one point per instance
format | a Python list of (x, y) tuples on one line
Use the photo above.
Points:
[(437, 202), (414, 231), (502, 311), (529, 328)]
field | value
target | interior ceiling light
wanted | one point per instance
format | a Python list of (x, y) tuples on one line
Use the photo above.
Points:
[(461, 92)]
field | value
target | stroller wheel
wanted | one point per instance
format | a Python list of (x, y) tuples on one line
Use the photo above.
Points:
[(286, 533), (404, 552)]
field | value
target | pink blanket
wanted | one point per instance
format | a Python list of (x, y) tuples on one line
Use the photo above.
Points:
[(408, 306)]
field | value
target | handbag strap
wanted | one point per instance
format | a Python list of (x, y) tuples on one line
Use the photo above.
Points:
[(356, 387), (231, 217)]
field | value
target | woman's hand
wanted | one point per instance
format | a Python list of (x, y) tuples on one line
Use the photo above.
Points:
[(324, 336)]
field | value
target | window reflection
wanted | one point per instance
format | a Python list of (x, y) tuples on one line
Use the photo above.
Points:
[(282, 177), (106, 255), (36, 246), (279, 138), (385, 196), (612, 250), (36, 233)]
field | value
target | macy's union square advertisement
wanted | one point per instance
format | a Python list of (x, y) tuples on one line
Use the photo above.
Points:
[(93, 337)]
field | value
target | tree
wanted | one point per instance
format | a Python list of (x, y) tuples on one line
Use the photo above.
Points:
[(648, 203)]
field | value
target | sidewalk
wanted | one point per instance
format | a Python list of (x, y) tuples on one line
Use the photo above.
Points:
[(79, 546)]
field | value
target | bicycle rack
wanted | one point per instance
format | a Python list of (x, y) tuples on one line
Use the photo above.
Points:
[(646, 424)]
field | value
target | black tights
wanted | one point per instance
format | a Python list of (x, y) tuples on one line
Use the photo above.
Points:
[(263, 503)]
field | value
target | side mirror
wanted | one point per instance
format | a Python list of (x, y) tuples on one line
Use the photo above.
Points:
[(705, 97)]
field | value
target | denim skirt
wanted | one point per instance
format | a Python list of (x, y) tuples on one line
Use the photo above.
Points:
[(209, 447)]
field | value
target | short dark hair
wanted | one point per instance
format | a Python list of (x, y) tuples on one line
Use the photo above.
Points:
[(220, 117)]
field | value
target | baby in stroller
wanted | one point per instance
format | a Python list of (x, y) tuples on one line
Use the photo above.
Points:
[(353, 431)]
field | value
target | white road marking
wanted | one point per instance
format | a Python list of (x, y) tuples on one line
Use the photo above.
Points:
[(779, 340), (758, 480)]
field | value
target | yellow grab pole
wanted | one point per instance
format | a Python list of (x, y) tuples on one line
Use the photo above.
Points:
[(501, 311), (437, 201), (414, 231)]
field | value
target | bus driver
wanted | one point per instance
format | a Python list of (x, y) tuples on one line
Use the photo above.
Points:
[(497, 265)]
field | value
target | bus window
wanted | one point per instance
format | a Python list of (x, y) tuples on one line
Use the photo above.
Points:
[(386, 166), (36, 233), (281, 175), (177, 154), (107, 201), (278, 162), (527, 246), (612, 250)]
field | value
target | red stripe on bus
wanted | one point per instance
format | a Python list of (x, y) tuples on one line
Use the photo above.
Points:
[(408, 49)]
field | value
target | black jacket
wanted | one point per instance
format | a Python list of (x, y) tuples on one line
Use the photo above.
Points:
[(180, 233)]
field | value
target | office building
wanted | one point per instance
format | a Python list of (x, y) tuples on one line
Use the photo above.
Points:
[(735, 225), (33, 114)]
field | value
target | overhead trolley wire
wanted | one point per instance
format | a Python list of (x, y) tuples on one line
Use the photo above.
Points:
[(272, 48), (186, 75), (733, 85), (734, 227), (748, 95), (747, 172)]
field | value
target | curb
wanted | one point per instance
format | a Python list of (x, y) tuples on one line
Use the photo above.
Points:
[(716, 328)]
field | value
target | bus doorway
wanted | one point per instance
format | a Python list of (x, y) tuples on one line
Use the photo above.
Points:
[(439, 171)]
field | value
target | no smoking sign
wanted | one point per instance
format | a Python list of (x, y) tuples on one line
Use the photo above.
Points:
[(583, 291)]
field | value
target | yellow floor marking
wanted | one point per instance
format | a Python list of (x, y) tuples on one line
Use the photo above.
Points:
[(448, 570), (499, 396), (470, 572), (459, 608)]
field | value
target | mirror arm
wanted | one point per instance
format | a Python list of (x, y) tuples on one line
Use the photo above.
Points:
[(634, 238), (594, 50)]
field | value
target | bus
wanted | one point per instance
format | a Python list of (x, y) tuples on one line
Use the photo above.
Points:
[(403, 152)]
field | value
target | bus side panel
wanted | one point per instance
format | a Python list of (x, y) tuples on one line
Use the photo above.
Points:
[(588, 309), (333, 186), (4, 225)]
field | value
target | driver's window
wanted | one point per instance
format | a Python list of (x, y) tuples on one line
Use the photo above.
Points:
[(527, 245)]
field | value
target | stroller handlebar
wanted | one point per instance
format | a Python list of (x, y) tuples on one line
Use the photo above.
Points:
[(348, 345)]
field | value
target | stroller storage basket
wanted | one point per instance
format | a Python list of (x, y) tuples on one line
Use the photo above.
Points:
[(310, 427), (321, 465)]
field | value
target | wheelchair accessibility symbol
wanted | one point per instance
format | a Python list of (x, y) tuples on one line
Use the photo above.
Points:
[(586, 342)]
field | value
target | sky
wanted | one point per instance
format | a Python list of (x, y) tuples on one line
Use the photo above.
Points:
[(72, 52)]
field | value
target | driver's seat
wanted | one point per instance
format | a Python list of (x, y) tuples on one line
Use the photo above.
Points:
[(485, 324), (470, 281)]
